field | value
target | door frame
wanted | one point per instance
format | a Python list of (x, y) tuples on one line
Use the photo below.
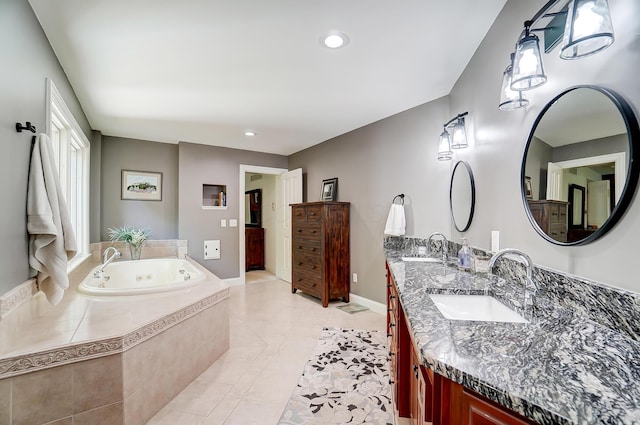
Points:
[(244, 169)]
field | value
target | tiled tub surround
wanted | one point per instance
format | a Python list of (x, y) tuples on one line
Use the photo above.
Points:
[(119, 359), (577, 361)]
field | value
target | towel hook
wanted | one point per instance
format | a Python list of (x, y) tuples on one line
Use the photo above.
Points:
[(27, 126), (401, 196)]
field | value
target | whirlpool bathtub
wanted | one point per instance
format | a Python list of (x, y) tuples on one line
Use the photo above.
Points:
[(141, 277)]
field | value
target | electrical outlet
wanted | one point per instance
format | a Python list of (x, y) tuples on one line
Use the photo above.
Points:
[(223, 222), (355, 278)]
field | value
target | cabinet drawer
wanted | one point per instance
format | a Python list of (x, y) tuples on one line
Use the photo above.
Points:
[(310, 214), (307, 230), (309, 265), (309, 248), (307, 283), (558, 232), (557, 214)]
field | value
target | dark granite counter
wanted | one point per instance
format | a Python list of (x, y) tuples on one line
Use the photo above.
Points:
[(561, 367)]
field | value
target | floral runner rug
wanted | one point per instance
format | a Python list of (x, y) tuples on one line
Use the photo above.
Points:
[(345, 382)]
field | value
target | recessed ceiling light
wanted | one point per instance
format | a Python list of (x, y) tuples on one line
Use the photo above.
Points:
[(249, 133), (334, 40)]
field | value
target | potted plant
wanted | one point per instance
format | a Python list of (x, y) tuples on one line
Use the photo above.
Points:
[(133, 237)]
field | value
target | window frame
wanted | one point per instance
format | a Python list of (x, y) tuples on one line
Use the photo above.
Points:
[(72, 151)]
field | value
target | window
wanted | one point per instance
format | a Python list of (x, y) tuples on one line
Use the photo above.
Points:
[(71, 150)]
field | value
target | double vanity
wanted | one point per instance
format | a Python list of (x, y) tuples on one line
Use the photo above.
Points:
[(556, 358)]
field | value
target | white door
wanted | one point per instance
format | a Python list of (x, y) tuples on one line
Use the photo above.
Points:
[(288, 191), (598, 208)]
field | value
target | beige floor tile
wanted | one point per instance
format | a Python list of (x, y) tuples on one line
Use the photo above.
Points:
[(249, 412), (222, 411), (272, 336)]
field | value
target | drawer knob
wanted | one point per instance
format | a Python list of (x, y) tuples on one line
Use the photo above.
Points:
[(391, 325), (389, 335), (299, 263), (299, 279), (391, 382), (299, 230), (391, 297)]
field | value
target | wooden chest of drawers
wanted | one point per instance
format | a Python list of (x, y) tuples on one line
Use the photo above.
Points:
[(320, 250), (551, 217)]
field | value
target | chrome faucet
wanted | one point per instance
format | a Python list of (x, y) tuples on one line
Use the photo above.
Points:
[(528, 264), (445, 251), (106, 260)]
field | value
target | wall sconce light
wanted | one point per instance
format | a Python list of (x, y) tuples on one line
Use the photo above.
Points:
[(510, 99), (587, 30), (527, 64), (444, 146), (458, 141)]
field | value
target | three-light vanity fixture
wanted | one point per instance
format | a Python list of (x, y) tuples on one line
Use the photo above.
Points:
[(587, 29), (457, 141)]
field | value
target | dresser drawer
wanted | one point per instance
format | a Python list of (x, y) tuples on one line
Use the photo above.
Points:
[(311, 214), (558, 214), (306, 247), (558, 232), (307, 230), (308, 283), (307, 264)]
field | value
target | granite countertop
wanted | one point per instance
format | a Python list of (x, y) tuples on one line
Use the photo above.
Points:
[(558, 368)]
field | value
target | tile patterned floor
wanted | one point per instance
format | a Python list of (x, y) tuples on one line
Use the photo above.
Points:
[(273, 334)]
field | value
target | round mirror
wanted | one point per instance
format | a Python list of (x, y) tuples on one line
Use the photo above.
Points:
[(462, 196), (578, 172)]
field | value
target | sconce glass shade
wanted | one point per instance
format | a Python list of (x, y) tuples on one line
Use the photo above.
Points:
[(444, 147), (527, 64), (459, 135), (510, 99), (588, 29)]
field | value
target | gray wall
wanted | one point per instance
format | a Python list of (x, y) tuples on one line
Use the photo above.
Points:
[(398, 154), (500, 137), (27, 60), (198, 165), (373, 165), (160, 217)]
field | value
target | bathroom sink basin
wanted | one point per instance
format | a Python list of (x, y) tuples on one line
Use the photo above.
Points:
[(422, 259), (475, 307)]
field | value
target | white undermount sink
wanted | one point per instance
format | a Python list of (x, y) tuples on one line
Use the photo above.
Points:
[(422, 259), (475, 307)]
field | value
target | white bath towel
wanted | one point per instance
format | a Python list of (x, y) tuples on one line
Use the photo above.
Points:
[(52, 242), (395, 221)]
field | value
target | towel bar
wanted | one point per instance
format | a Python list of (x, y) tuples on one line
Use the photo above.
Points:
[(401, 196)]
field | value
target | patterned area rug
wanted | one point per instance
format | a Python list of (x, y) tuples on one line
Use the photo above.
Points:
[(345, 382)]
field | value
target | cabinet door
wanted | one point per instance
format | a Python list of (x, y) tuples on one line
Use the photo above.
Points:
[(478, 411)]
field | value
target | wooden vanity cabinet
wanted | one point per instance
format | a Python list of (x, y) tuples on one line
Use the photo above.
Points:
[(424, 396), (320, 250), (399, 354)]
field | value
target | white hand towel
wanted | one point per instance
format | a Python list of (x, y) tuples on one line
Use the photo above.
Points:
[(395, 221), (52, 242)]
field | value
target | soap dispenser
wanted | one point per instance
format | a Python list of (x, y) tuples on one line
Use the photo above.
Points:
[(465, 256)]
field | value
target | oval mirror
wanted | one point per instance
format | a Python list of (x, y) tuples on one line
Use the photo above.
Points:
[(579, 172), (462, 196)]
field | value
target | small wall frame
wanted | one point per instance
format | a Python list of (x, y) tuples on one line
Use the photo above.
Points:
[(141, 185)]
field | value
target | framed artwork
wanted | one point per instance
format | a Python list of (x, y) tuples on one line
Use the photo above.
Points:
[(528, 190), (141, 185), (329, 189)]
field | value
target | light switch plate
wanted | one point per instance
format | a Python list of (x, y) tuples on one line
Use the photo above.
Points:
[(233, 222), (223, 222)]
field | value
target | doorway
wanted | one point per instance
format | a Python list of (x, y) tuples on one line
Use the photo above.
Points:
[(278, 188)]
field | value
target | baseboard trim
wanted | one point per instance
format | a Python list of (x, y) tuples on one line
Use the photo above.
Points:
[(234, 281), (370, 304)]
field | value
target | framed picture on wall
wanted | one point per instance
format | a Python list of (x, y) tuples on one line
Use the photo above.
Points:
[(329, 189), (528, 190), (141, 185)]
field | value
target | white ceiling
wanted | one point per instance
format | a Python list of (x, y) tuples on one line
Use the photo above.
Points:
[(203, 71)]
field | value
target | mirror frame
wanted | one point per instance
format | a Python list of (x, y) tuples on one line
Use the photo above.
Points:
[(633, 164), (473, 196)]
